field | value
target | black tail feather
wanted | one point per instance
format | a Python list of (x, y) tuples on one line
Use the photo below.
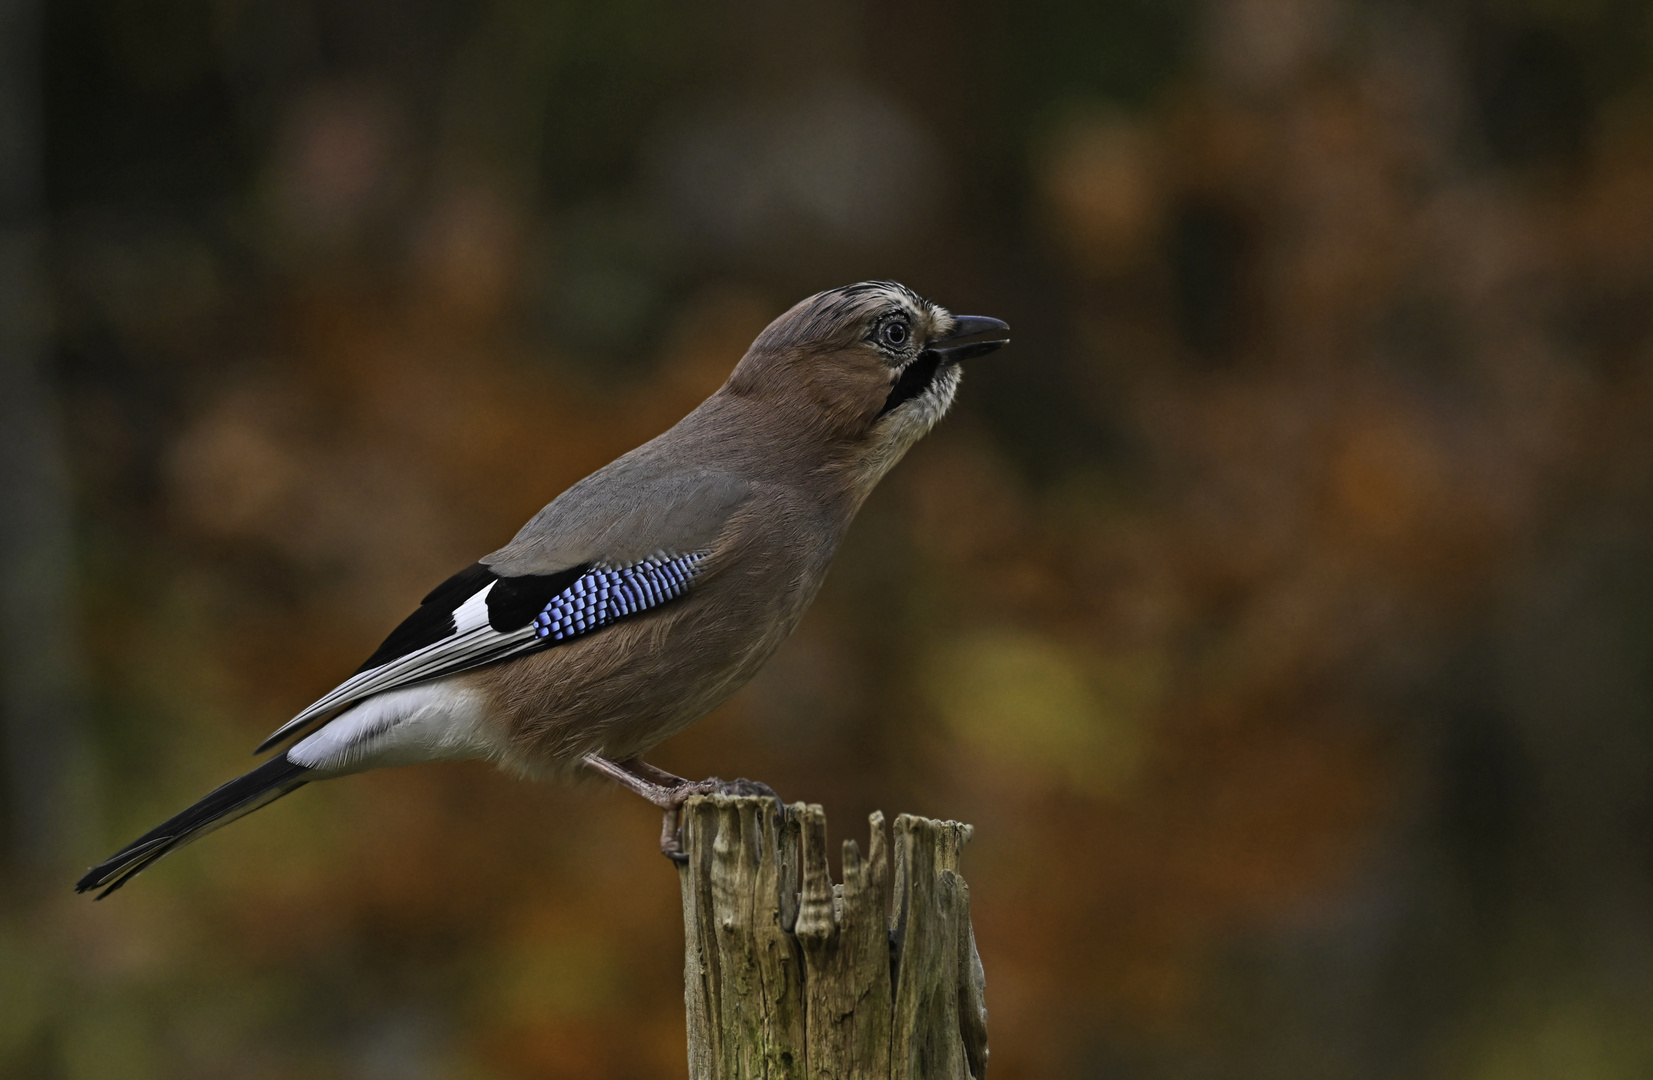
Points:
[(265, 784)]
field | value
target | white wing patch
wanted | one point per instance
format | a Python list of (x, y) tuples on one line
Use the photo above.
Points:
[(473, 613)]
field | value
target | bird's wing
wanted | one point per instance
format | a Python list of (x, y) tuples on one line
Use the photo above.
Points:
[(572, 570), (623, 513)]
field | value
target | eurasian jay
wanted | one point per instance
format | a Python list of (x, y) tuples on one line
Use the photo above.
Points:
[(645, 594)]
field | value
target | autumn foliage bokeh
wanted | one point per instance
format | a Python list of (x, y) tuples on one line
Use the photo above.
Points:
[(1278, 607)]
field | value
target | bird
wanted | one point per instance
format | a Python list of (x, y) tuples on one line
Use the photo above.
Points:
[(645, 594)]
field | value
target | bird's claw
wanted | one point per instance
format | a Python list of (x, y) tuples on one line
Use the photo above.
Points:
[(743, 786), (671, 828)]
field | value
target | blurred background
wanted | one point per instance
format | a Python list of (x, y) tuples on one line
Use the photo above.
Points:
[(1279, 607)]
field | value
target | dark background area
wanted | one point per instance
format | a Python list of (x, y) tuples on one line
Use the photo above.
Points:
[(1279, 606)]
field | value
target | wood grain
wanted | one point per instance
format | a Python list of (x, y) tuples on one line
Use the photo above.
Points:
[(788, 974)]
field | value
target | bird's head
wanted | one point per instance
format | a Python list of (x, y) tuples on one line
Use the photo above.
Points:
[(872, 366)]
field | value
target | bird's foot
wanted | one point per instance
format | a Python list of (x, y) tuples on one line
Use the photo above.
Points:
[(739, 786), (669, 792), (671, 825)]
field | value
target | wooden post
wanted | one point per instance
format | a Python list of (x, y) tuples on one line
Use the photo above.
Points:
[(787, 975)]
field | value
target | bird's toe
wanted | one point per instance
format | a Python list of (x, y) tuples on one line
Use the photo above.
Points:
[(743, 786)]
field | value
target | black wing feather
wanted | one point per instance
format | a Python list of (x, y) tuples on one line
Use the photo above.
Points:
[(516, 600), (433, 619), (512, 605)]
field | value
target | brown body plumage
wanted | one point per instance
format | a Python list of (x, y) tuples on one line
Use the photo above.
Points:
[(643, 680)]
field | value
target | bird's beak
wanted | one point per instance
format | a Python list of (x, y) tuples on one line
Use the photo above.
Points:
[(987, 335)]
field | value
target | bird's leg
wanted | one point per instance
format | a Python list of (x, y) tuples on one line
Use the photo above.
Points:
[(669, 792), (666, 790), (638, 767), (712, 785)]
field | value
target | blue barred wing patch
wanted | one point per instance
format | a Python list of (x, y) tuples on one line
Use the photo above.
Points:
[(601, 596)]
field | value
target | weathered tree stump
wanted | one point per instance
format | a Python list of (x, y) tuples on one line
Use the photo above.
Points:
[(789, 975)]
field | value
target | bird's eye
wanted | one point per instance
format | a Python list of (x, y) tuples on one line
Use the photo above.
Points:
[(895, 333)]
